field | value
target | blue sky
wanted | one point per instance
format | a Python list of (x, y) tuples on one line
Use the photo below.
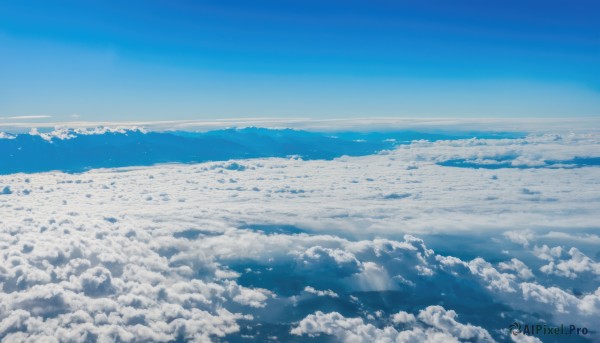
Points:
[(156, 60)]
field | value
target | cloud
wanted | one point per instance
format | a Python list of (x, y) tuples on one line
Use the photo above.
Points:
[(435, 324), (325, 293), (136, 281), (560, 125), (569, 263), (564, 236), (403, 318), (65, 133), (281, 246), (525, 339), (517, 266), (26, 117), (445, 321)]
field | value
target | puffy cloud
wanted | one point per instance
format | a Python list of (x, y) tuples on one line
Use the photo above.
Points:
[(403, 318), (249, 297), (564, 306), (324, 260), (96, 281), (525, 339), (62, 132), (491, 277), (325, 293), (445, 321), (435, 324), (517, 266), (570, 263), (520, 237), (546, 253)]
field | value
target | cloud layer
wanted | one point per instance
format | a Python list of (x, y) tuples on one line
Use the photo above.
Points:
[(287, 249)]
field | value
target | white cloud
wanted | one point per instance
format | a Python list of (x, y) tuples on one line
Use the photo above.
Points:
[(153, 254), (525, 339), (445, 321), (403, 317), (26, 117), (517, 266), (520, 237), (570, 263), (581, 238), (561, 125), (63, 132), (435, 325), (325, 293)]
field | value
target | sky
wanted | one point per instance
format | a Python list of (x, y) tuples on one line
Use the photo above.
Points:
[(165, 60)]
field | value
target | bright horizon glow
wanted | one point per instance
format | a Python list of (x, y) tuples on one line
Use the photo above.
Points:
[(152, 60)]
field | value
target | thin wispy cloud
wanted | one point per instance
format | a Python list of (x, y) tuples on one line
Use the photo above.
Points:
[(26, 117)]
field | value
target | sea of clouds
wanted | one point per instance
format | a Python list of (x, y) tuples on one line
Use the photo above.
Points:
[(390, 247)]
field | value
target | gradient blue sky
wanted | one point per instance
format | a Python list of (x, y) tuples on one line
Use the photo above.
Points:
[(155, 60)]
